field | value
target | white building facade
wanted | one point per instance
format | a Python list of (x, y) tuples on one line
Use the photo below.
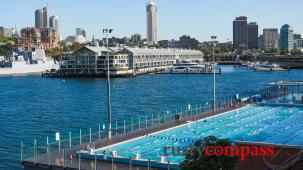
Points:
[(124, 61)]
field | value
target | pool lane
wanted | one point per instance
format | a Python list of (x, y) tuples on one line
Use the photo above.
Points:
[(255, 123)]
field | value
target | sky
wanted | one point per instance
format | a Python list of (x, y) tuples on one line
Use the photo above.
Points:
[(197, 18)]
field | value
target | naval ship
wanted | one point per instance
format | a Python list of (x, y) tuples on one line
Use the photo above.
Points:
[(27, 62)]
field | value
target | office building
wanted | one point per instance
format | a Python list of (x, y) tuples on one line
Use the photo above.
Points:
[(136, 38), (45, 17), (298, 41), (188, 42), (261, 41), (81, 31), (151, 19), (270, 39), (39, 18), (252, 31), (54, 24), (240, 36), (297, 36), (286, 38)]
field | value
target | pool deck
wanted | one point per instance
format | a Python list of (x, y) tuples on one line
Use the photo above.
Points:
[(42, 162)]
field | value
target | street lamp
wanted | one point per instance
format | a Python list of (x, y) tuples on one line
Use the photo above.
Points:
[(109, 116), (214, 74)]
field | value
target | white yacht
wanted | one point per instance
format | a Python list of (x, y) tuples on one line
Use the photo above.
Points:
[(269, 67), (188, 67), (22, 62)]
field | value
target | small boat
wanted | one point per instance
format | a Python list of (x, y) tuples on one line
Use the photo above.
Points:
[(269, 67), (252, 65)]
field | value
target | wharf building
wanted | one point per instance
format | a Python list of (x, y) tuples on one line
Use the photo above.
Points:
[(128, 61)]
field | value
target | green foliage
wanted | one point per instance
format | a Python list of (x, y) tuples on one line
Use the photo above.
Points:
[(5, 50), (198, 160), (282, 52), (55, 53), (297, 53), (76, 46), (5, 39), (275, 51), (206, 51)]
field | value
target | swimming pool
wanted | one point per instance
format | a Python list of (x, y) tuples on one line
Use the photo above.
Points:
[(279, 124)]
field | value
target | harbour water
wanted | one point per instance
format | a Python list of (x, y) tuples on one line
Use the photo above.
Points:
[(32, 107)]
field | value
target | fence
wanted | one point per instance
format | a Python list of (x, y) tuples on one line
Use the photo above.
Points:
[(59, 152)]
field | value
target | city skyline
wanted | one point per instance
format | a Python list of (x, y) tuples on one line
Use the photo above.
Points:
[(171, 22)]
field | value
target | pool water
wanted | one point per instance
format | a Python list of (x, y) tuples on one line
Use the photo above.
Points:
[(256, 123)]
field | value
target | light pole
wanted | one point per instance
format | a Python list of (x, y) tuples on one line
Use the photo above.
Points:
[(109, 115), (214, 74)]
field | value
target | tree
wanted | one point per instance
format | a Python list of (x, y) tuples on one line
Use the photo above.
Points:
[(6, 50), (196, 158), (55, 53), (282, 52), (296, 52), (5, 40), (76, 46)]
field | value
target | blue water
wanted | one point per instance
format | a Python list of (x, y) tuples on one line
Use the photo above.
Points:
[(33, 107), (271, 124)]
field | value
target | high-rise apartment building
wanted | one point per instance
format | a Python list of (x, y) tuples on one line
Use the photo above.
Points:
[(270, 38), (81, 31), (41, 18), (286, 38), (54, 24), (240, 36), (252, 31), (151, 19), (45, 17), (136, 38)]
